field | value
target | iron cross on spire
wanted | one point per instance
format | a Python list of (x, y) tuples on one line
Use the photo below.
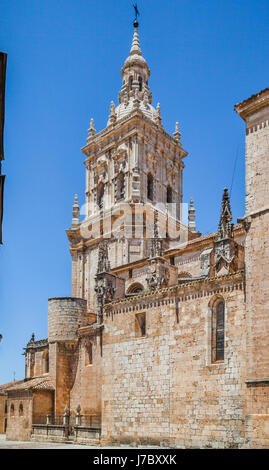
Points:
[(136, 11)]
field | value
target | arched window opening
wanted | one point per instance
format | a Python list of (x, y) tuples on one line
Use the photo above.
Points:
[(45, 362), (100, 195), (135, 288), (140, 324), (140, 83), (131, 82), (88, 354), (12, 410), (150, 186), (21, 409), (169, 196), (218, 320)]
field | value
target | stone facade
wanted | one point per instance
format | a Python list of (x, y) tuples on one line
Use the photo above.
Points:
[(165, 338), (255, 112)]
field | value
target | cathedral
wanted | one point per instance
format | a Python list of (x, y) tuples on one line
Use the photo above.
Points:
[(165, 338)]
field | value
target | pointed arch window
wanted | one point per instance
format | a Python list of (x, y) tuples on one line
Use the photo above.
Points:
[(150, 186), (45, 362), (218, 329), (140, 325)]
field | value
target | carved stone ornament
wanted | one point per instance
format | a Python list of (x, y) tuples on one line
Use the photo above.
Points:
[(156, 248), (246, 222), (103, 261), (224, 250), (120, 153), (171, 172), (205, 262), (151, 160), (158, 277)]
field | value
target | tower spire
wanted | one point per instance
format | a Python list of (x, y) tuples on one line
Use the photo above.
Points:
[(135, 48), (225, 226)]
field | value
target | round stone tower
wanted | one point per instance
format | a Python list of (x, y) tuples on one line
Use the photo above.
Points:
[(64, 316)]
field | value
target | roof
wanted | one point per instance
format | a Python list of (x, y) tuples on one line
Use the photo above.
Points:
[(38, 383), (4, 387), (198, 240)]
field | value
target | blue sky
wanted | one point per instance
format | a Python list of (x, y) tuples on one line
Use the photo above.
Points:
[(64, 61)]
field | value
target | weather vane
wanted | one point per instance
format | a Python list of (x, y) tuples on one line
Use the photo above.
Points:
[(136, 11)]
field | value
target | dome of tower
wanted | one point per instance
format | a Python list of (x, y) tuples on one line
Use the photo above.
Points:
[(123, 110), (135, 57)]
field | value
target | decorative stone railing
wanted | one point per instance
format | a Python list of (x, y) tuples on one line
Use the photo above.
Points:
[(85, 429)]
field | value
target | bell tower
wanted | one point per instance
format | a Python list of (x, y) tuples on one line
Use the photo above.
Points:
[(131, 165)]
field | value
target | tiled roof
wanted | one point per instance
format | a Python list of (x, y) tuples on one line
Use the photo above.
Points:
[(38, 383), (4, 387)]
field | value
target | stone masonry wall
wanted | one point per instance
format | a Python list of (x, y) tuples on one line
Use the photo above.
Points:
[(3, 415), (43, 404), (64, 316), (86, 388), (257, 277), (19, 426), (162, 388)]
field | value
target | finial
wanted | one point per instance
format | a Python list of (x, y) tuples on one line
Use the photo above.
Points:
[(112, 117), (156, 242), (75, 220), (103, 260), (177, 133), (191, 217), (225, 226), (136, 15), (158, 118), (91, 131)]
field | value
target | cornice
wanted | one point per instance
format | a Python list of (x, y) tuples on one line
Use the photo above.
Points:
[(173, 289), (117, 129), (252, 104)]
